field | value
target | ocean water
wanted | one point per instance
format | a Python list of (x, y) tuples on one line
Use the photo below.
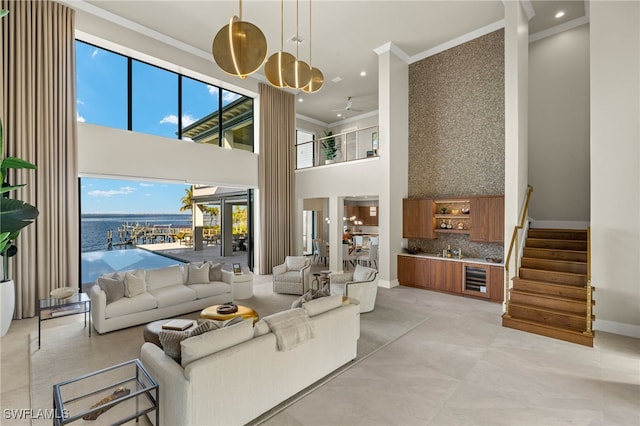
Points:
[(94, 227)]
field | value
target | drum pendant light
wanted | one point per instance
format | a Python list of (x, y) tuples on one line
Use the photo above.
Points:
[(298, 73), (274, 68), (317, 78), (240, 47)]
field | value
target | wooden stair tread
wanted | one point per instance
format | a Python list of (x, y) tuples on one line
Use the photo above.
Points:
[(561, 333), (549, 296), (550, 310)]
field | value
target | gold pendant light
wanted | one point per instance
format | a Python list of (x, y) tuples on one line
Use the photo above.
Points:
[(317, 78), (277, 62), (297, 74), (240, 47)]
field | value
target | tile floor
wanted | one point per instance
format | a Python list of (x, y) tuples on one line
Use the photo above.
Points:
[(458, 367)]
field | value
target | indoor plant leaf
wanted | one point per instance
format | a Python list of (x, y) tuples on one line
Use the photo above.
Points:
[(15, 215)]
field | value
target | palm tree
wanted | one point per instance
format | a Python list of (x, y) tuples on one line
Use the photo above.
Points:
[(187, 200)]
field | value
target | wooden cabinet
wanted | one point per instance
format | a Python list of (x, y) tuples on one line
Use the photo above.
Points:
[(445, 276), (462, 278), (351, 212), (417, 218), (487, 215), (368, 215), (452, 216)]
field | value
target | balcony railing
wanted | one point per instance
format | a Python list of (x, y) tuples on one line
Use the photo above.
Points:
[(338, 148)]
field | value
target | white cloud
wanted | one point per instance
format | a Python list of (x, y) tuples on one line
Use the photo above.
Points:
[(125, 190), (80, 102), (95, 53), (145, 184), (173, 119), (213, 90), (229, 96), (80, 118)]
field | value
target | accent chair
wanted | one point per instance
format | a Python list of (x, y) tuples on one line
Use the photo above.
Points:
[(293, 276), (361, 284)]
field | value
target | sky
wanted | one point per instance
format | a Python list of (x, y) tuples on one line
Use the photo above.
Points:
[(126, 196), (102, 99)]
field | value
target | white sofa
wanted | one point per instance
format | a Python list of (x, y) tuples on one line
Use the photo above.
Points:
[(168, 292), (245, 374)]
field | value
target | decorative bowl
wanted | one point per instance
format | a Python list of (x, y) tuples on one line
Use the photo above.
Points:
[(494, 259), (455, 211), (63, 292)]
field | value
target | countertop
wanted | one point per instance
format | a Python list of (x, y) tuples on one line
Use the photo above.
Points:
[(454, 259)]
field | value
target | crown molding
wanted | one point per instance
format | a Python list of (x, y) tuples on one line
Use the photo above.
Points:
[(559, 29)]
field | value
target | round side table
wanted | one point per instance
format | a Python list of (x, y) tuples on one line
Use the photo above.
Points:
[(243, 311)]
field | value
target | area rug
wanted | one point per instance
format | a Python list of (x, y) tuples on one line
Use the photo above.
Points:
[(67, 351)]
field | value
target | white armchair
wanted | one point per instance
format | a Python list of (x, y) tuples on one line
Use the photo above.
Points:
[(293, 276), (361, 284)]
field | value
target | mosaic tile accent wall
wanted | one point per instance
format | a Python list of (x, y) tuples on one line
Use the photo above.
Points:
[(456, 120), (456, 130)]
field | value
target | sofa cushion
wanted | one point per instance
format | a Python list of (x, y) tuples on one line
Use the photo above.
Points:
[(206, 344), (129, 305), (170, 339), (198, 274), (295, 262), (134, 285), (164, 277), (113, 288), (362, 273), (211, 289), (176, 294), (323, 304)]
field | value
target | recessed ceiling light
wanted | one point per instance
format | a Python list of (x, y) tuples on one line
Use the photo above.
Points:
[(560, 14), (339, 115), (300, 100), (363, 73), (337, 80)]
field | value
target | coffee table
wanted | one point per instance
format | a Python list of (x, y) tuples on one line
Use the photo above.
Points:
[(243, 311)]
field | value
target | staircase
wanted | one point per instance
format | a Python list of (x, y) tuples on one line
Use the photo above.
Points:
[(550, 295)]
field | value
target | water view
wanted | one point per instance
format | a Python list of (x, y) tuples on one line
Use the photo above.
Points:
[(94, 227)]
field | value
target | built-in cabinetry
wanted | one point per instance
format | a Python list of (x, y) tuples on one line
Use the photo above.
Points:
[(452, 276), (481, 217), (417, 218), (368, 215)]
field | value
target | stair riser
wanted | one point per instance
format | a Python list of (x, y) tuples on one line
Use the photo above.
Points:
[(550, 289), (554, 265), (580, 339), (574, 256), (553, 277), (555, 234), (545, 302), (549, 318)]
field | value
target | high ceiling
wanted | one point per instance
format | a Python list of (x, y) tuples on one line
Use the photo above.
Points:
[(345, 34)]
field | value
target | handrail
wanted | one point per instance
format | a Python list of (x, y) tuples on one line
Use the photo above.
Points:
[(511, 245), (589, 288)]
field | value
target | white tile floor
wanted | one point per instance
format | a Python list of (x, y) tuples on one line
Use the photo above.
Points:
[(458, 367)]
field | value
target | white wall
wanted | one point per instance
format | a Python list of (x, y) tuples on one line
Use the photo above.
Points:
[(559, 127), (516, 98), (615, 165), (123, 154)]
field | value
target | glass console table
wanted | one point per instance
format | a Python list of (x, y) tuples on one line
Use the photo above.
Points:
[(114, 395), (57, 308)]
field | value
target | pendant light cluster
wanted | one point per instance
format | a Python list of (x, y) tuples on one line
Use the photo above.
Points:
[(240, 49)]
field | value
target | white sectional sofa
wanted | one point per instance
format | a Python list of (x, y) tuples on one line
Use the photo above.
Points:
[(233, 375), (129, 298)]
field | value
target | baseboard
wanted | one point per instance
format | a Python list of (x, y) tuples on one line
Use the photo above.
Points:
[(388, 283), (560, 224), (629, 330)]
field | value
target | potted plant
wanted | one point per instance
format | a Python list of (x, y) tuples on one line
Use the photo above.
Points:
[(14, 215), (329, 147)]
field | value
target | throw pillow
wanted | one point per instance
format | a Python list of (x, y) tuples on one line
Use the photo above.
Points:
[(261, 328), (204, 327), (362, 273), (302, 299), (208, 343), (233, 321), (113, 288), (170, 341), (198, 274), (215, 272), (134, 285)]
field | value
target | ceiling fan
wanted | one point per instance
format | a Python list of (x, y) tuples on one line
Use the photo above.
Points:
[(348, 106)]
